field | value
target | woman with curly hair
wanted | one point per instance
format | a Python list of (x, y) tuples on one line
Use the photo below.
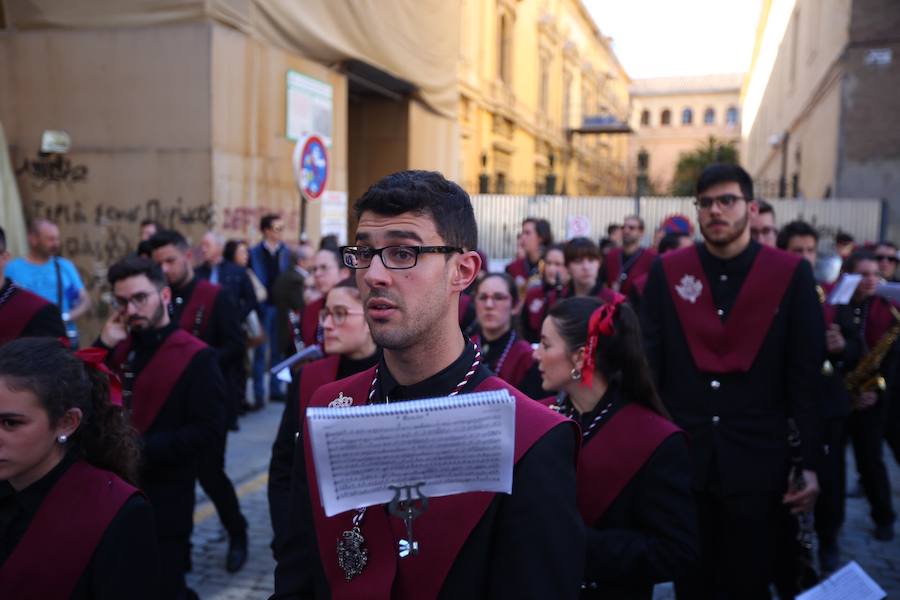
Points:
[(72, 522)]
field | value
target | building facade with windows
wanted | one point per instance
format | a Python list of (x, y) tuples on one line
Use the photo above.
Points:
[(541, 93), (821, 101), (673, 115)]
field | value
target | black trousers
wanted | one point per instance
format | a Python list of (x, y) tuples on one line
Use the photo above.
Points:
[(892, 427), (866, 428), (217, 485), (832, 481), (737, 547), (173, 561)]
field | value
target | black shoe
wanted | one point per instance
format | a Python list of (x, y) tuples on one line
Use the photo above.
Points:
[(884, 533), (237, 554), (829, 556)]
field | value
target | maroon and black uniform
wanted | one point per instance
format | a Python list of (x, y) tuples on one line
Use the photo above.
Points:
[(509, 356), (24, 314), (77, 533), (620, 270), (538, 302), (310, 329), (472, 544), (522, 269), (736, 346)]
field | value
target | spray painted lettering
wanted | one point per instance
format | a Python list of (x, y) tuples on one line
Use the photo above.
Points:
[(51, 169)]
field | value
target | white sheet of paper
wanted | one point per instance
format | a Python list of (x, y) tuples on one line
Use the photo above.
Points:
[(843, 290), (891, 291), (847, 583), (454, 445), (284, 375)]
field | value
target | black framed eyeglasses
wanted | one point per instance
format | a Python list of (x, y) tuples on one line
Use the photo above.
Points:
[(392, 257), (724, 201)]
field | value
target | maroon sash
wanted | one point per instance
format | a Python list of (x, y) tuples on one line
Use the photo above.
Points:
[(465, 301), (518, 268), (16, 313), (517, 363), (538, 302), (878, 320), (61, 539), (731, 346), (615, 454), (444, 527), (309, 322), (195, 316), (156, 380), (640, 283), (641, 266), (313, 376)]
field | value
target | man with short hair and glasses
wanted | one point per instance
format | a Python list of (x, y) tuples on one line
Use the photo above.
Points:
[(413, 257), (762, 224), (626, 263), (886, 255), (735, 336), (174, 394)]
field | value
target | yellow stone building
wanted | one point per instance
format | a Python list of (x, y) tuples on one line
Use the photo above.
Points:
[(541, 93)]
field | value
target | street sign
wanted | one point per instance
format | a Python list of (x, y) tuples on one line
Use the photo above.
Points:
[(311, 166)]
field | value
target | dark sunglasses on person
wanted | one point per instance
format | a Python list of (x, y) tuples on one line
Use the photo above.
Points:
[(724, 200), (888, 257)]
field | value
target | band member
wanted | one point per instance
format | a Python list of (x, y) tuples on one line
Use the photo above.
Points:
[(622, 265), (669, 242), (762, 224), (872, 326), (327, 271), (735, 336), (73, 524), (350, 349), (21, 312), (539, 300), (203, 310), (642, 527), (583, 262), (503, 350), (176, 395), (536, 236), (413, 257)]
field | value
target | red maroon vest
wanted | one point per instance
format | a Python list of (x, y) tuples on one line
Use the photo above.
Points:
[(444, 527), (16, 313), (62, 537), (155, 382), (731, 346), (309, 322), (315, 375), (538, 303), (878, 320), (517, 362), (518, 268), (195, 316), (614, 267)]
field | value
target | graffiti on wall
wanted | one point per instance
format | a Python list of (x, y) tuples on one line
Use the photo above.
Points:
[(51, 169)]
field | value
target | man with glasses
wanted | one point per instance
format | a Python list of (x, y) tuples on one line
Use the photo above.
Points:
[(762, 224), (174, 394), (413, 256), (735, 335), (626, 263), (886, 254)]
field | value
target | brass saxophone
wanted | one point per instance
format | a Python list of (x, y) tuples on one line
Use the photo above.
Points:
[(866, 377)]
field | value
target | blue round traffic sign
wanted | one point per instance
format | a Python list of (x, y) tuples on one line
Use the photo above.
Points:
[(313, 167)]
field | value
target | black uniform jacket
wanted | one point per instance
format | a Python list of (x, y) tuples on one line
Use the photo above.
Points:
[(527, 545), (191, 421), (126, 561), (46, 322), (282, 464), (737, 421), (234, 280), (223, 332)]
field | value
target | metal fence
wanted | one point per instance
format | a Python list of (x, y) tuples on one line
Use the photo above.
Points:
[(500, 217)]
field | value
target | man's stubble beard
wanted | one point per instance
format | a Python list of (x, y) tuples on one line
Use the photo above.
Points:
[(415, 327), (735, 232)]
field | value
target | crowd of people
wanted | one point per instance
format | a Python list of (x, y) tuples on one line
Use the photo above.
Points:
[(681, 410)]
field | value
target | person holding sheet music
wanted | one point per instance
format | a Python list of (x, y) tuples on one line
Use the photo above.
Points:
[(504, 350), (634, 475), (350, 349), (413, 256), (72, 523), (175, 392)]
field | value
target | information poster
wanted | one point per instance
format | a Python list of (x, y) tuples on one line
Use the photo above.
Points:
[(309, 107)]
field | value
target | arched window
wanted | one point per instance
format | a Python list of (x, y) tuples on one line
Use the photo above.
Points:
[(709, 116), (731, 116), (666, 117), (645, 117), (687, 116)]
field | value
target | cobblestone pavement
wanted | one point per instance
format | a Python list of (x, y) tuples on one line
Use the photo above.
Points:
[(247, 464)]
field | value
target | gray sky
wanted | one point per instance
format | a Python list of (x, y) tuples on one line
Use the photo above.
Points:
[(662, 38)]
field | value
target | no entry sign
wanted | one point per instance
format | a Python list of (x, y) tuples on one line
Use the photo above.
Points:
[(311, 166)]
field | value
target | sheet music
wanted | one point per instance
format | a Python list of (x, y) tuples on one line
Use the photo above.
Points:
[(455, 444), (843, 290), (847, 583), (889, 290)]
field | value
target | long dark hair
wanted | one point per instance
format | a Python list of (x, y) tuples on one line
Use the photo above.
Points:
[(61, 381), (620, 357)]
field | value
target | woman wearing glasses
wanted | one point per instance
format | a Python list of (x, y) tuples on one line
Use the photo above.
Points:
[(327, 271), (634, 470), (505, 352), (350, 349), (72, 524)]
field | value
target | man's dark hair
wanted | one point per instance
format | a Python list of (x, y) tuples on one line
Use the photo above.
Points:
[(265, 223), (231, 247), (132, 266), (670, 241), (2, 241), (765, 207), (168, 237), (424, 193), (329, 242), (542, 228), (635, 218), (795, 229), (612, 228), (721, 173), (857, 257), (156, 224), (580, 248), (842, 237)]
